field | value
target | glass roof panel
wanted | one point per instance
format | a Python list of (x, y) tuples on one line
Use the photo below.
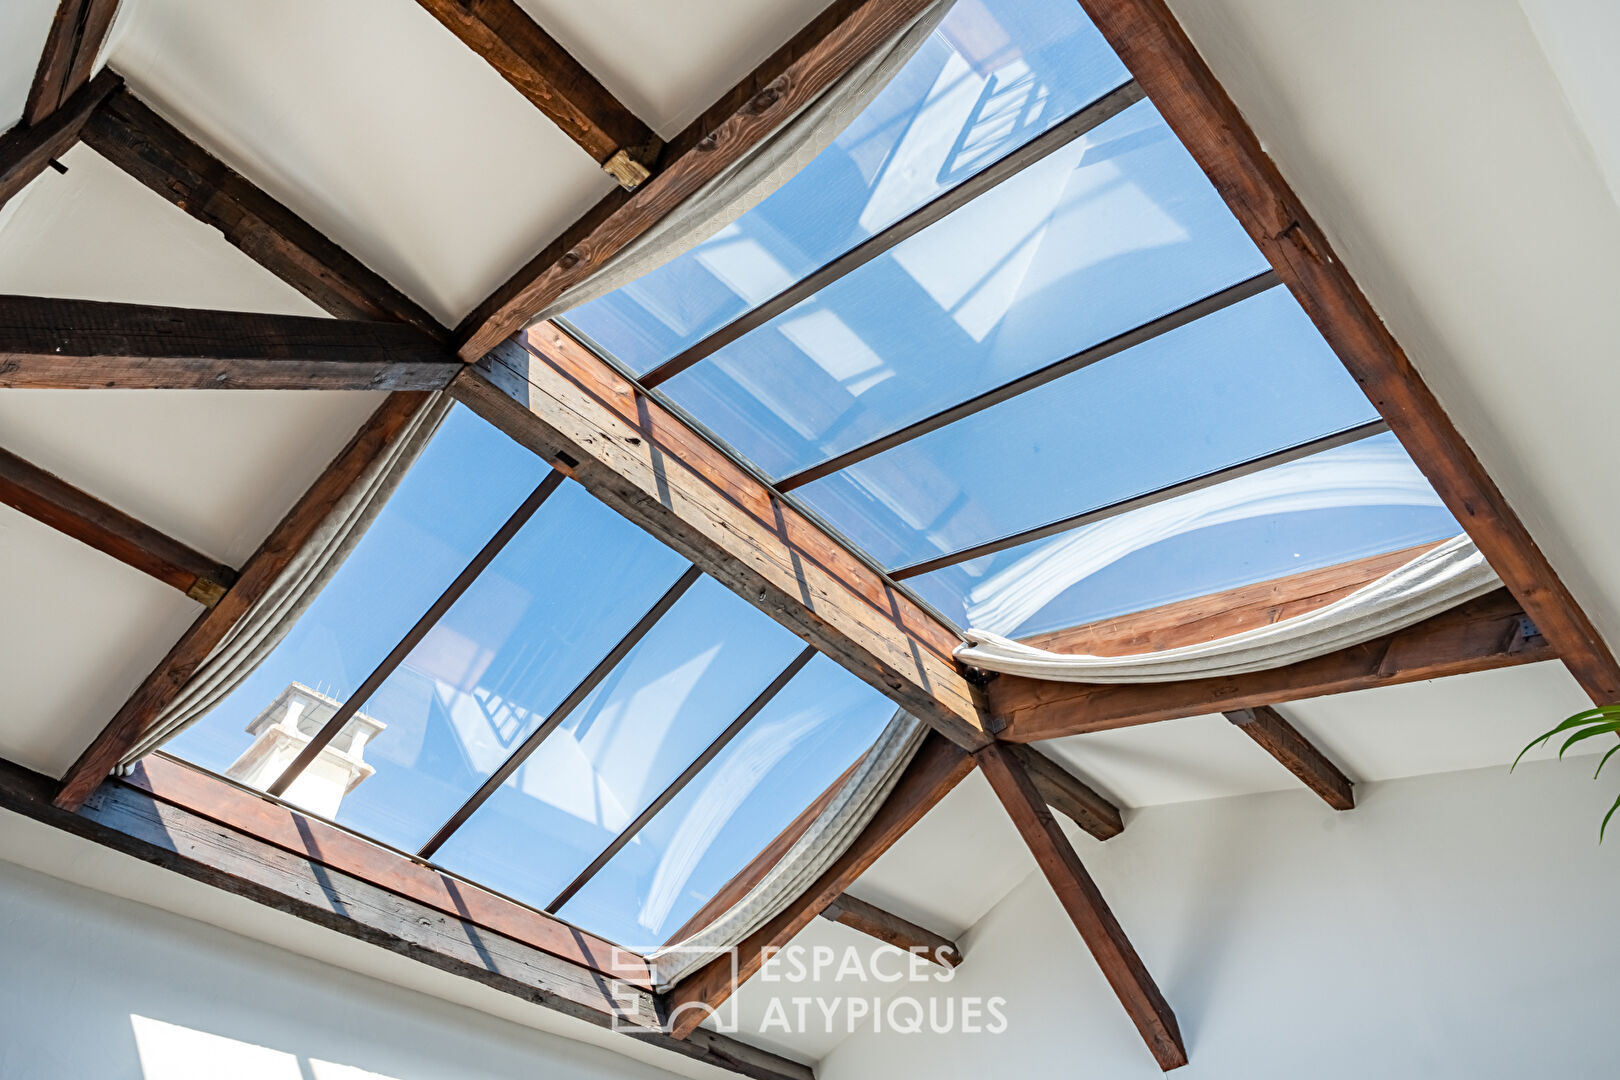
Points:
[(687, 680), (1342, 504), (1111, 231), (411, 552), (993, 76), (556, 599), (809, 734), (1234, 385)]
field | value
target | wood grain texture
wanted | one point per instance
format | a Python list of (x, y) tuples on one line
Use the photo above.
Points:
[(543, 71), (128, 819), (571, 408), (937, 768), (73, 512), (77, 33), (816, 57), (132, 136), (1069, 795), (1283, 741), (284, 542), (1084, 904), (82, 344), (1159, 54), (1218, 615), (27, 149), (891, 929), (1484, 634)]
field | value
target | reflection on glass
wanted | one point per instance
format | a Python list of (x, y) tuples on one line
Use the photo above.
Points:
[(1339, 505), (993, 76), (556, 600), (412, 551), (1238, 384), (809, 734), (688, 678), (1113, 230)]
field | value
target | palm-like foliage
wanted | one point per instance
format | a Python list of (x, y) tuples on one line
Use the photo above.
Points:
[(1603, 720)]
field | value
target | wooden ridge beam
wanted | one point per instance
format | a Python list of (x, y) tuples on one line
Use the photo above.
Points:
[(53, 501), (571, 408), (83, 344), (132, 136), (1483, 634), (937, 768), (131, 819), (77, 33), (27, 149), (1084, 904), (1283, 741), (1068, 794), (891, 929), (816, 57), (1156, 49), (543, 71), (160, 687)]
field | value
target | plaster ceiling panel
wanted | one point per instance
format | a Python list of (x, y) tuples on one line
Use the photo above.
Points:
[(669, 62), (24, 25), (1196, 757), (1473, 721), (81, 631), (96, 234), (374, 123)]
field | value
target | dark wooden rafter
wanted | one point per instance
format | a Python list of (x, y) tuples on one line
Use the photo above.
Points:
[(816, 57), (1156, 49), (1489, 632), (52, 501), (83, 344), (891, 929), (558, 85), (77, 33), (127, 132), (1084, 904), (261, 570), (937, 768), (27, 149), (569, 406), (406, 917), (1277, 737), (1069, 795)]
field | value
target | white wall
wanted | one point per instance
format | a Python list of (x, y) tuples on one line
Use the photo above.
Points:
[(1451, 926), (94, 985)]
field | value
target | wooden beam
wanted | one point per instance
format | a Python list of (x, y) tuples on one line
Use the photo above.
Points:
[(26, 150), (76, 36), (53, 501), (1218, 615), (284, 542), (567, 405), (129, 818), (1084, 904), (1483, 634), (1069, 795), (82, 344), (891, 929), (555, 83), (937, 768), (1283, 741), (1154, 47), (130, 135), (816, 57)]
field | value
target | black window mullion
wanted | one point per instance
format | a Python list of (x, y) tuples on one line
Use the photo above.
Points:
[(561, 712), (1086, 119), (676, 786), (429, 619)]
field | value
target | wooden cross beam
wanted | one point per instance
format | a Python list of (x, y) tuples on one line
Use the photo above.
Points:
[(1283, 741), (27, 149), (891, 929), (77, 33)]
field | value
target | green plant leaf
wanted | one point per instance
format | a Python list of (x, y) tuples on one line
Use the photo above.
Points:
[(1580, 719), (1598, 729), (1605, 760), (1606, 817)]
